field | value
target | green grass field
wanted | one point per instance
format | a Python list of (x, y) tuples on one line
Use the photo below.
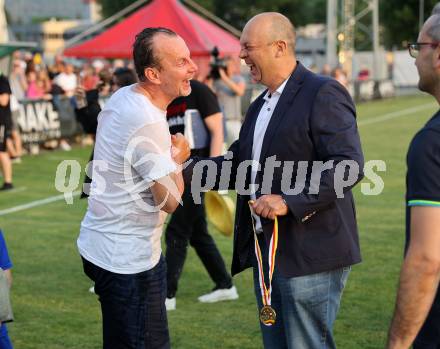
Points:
[(54, 310)]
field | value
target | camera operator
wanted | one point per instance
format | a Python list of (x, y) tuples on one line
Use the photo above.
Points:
[(229, 86)]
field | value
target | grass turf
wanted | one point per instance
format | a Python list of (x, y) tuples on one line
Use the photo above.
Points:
[(54, 310)]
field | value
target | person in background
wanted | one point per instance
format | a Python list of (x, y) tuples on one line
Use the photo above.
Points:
[(229, 88), (340, 76), (6, 265), (5, 132), (67, 80), (44, 82), (89, 79), (199, 118), (17, 81), (34, 90), (364, 74), (326, 70), (122, 77), (98, 66), (57, 67)]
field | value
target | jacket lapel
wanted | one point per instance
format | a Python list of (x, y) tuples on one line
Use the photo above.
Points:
[(291, 89)]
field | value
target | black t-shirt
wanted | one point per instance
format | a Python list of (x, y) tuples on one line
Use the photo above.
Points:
[(88, 116), (186, 115), (5, 111), (423, 189), (423, 176)]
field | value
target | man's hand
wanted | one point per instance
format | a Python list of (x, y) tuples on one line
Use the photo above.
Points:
[(180, 150), (80, 91), (269, 206), (80, 97)]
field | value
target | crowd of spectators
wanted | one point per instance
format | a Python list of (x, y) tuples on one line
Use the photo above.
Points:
[(32, 79)]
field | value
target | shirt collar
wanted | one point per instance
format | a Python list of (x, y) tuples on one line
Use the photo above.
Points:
[(277, 92)]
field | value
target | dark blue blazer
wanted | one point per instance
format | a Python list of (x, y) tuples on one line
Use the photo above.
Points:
[(314, 120)]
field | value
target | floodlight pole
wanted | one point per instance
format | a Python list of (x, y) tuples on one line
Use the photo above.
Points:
[(347, 45), (331, 52), (376, 63)]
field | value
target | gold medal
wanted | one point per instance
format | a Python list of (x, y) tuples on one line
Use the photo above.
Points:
[(268, 315)]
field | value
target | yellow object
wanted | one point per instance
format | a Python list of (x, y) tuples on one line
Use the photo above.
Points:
[(37, 59), (220, 212)]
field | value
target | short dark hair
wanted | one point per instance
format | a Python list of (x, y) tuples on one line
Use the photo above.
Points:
[(143, 53), (124, 76)]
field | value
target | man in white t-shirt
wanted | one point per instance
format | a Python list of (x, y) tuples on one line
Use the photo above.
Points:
[(136, 182), (67, 80)]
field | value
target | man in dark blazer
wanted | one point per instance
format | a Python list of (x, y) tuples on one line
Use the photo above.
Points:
[(301, 130)]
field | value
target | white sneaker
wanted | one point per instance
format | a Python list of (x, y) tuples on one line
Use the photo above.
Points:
[(65, 146), (92, 289), (170, 303), (223, 294)]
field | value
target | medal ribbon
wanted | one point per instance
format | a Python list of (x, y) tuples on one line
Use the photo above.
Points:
[(266, 291)]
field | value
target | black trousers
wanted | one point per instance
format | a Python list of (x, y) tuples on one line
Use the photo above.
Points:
[(133, 307), (188, 226), (429, 335)]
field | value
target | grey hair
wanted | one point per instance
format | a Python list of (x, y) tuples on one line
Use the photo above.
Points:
[(434, 29)]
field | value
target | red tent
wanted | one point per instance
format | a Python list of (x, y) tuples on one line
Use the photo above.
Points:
[(199, 34)]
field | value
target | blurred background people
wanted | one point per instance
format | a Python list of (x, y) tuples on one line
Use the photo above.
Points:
[(5, 132), (18, 84), (67, 80), (88, 107), (339, 75), (229, 87)]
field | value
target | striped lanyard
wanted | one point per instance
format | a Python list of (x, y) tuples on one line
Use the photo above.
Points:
[(266, 292)]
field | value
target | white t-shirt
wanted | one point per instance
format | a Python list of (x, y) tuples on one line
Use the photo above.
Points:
[(67, 82), (121, 230)]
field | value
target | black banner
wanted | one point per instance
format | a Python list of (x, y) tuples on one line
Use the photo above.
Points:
[(43, 120)]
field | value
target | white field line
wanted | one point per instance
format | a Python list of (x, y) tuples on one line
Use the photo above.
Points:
[(35, 203), (385, 117), (396, 114)]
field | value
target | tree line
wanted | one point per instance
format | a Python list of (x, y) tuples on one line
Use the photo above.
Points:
[(399, 19)]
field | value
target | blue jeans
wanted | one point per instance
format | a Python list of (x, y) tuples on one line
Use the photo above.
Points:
[(306, 307), (5, 342), (133, 307)]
